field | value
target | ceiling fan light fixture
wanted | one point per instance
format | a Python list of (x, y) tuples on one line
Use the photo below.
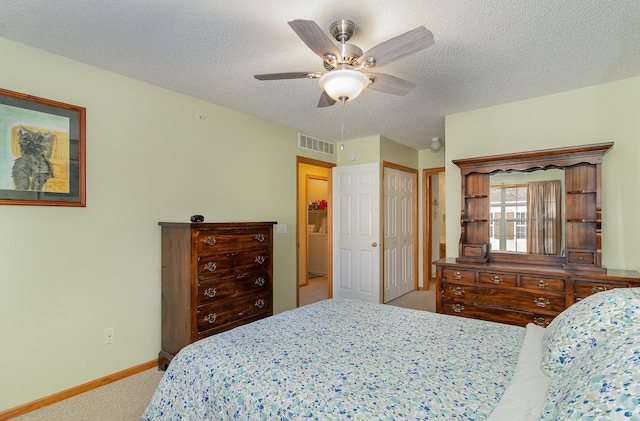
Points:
[(343, 83)]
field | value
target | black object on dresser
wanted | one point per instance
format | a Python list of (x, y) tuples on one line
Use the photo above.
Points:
[(215, 276)]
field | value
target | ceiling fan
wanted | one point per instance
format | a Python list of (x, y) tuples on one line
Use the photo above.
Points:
[(347, 66)]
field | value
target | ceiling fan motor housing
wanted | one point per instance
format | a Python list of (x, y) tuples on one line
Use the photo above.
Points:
[(349, 54), (342, 30)]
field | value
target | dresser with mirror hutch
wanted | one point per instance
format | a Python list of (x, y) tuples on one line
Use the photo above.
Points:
[(528, 249)]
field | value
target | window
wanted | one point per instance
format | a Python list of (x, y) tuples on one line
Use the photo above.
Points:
[(508, 218), (521, 225)]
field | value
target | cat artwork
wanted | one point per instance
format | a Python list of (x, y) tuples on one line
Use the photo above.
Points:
[(33, 168)]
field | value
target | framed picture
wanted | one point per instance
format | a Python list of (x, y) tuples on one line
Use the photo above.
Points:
[(42, 151)]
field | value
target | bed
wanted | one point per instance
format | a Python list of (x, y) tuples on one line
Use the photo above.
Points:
[(346, 359)]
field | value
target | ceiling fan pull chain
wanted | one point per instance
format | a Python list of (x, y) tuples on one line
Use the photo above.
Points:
[(342, 101)]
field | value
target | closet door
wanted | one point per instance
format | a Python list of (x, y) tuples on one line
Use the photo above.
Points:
[(399, 233)]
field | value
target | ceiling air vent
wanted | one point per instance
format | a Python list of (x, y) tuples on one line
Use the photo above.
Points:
[(313, 144)]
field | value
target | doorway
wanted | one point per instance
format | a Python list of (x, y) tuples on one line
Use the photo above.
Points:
[(433, 184), (313, 231)]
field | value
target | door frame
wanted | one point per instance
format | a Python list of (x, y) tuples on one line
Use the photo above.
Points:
[(427, 225), (301, 219), (416, 254)]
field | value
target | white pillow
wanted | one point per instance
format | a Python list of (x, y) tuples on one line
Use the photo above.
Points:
[(586, 324)]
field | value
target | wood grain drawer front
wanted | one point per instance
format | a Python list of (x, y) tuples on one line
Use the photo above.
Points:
[(473, 250), (581, 257), (231, 288), (216, 242), (473, 311), (542, 283), (583, 289), (220, 314), (511, 299), (233, 264), (459, 275), (497, 279)]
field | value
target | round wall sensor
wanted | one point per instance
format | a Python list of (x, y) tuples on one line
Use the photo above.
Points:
[(352, 156)]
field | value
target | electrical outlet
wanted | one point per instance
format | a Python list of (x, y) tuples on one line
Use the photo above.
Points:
[(109, 335)]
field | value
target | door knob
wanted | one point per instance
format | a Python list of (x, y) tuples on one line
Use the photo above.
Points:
[(374, 244)]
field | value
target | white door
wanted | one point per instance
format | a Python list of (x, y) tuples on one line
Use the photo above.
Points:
[(356, 232), (399, 233)]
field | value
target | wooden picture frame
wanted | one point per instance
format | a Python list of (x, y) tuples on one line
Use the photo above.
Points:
[(42, 151)]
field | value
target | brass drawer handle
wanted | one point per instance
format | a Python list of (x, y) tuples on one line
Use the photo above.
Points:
[(211, 318), (211, 266), (259, 282), (496, 279), (260, 260), (459, 291), (541, 321), (210, 292), (457, 275), (541, 302), (598, 288), (210, 241), (259, 237), (542, 284), (458, 308), (259, 303)]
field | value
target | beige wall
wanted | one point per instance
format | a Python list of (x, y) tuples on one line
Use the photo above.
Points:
[(66, 274), (359, 151), (601, 113)]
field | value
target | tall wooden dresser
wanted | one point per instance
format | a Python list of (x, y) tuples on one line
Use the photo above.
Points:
[(215, 276)]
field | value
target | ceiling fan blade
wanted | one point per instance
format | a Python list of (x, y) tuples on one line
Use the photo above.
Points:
[(290, 75), (325, 100), (390, 84), (398, 47), (315, 38)]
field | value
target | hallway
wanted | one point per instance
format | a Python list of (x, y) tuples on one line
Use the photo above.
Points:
[(316, 290)]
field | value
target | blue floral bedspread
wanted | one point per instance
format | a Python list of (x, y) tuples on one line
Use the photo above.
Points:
[(342, 359)]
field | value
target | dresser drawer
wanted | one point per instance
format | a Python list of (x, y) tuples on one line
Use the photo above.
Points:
[(474, 250), (581, 257), (233, 264), (216, 242), (230, 288), (585, 288), (474, 311), (511, 299), (542, 283), (458, 275), (497, 279), (219, 314)]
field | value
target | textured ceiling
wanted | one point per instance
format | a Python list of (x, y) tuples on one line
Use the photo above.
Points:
[(486, 52)]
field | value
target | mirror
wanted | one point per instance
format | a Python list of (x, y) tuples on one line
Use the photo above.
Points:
[(526, 214)]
